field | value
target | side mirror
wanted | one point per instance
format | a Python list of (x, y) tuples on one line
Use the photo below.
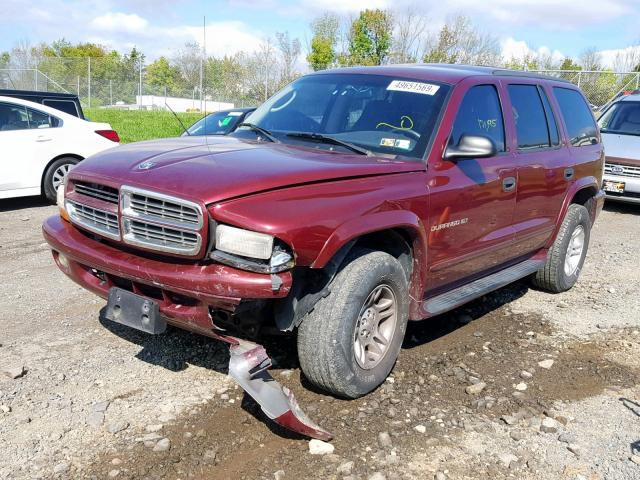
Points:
[(471, 146)]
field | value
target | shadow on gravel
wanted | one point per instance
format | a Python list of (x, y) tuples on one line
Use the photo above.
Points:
[(15, 204), (619, 207), (634, 407), (422, 332)]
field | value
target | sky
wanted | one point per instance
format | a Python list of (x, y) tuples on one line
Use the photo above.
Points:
[(161, 27)]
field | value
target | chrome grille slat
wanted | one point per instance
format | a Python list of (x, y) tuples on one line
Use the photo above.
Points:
[(101, 192), (161, 222), (93, 219), (627, 170)]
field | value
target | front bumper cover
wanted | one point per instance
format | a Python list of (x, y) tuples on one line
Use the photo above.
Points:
[(185, 291)]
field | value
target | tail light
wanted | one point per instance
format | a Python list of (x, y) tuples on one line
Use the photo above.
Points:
[(109, 135)]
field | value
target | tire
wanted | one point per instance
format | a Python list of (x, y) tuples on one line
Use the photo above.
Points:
[(327, 346), (558, 275), (52, 176)]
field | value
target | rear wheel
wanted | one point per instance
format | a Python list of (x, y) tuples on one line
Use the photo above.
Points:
[(350, 341), (566, 257), (55, 175)]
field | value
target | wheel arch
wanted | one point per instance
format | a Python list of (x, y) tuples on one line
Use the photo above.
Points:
[(58, 157)]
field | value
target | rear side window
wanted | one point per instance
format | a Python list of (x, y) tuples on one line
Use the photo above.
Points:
[(39, 119), (581, 126), (529, 116), (554, 136), (480, 114), (66, 106)]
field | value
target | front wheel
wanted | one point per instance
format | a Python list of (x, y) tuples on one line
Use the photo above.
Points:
[(566, 256), (350, 341), (55, 175)]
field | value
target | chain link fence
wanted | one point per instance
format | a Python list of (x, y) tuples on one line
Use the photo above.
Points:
[(108, 82)]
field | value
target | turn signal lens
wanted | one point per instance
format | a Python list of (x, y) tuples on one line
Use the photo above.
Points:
[(60, 200)]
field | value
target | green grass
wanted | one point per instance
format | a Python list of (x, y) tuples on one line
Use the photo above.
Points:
[(136, 125)]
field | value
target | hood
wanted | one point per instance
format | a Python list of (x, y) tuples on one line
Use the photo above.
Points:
[(622, 149), (225, 167)]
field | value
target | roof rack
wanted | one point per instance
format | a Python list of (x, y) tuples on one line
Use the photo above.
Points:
[(523, 73)]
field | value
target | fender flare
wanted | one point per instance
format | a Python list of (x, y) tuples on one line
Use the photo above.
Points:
[(581, 184)]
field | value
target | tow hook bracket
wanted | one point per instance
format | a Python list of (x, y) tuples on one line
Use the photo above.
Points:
[(248, 366)]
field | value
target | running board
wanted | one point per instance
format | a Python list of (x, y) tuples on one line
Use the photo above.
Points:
[(461, 295)]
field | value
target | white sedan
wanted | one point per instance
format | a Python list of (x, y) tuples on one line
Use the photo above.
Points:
[(39, 145)]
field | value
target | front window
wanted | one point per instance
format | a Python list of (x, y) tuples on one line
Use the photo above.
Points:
[(388, 116), (622, 118), (218, 123)]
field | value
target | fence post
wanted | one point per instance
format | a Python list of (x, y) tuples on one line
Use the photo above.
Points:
[(36, 78), (110, 92), (78, 86), (637, 80), (579, 78), (140, 87), (89, 80)]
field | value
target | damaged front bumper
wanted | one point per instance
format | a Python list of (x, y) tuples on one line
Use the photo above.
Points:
[(145, 292)]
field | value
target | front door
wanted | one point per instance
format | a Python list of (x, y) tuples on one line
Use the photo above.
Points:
[(471, 201)]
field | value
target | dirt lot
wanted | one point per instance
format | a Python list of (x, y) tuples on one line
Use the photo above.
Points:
[(561, 374)]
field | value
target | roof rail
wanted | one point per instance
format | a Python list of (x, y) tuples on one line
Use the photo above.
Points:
[(524, 73)]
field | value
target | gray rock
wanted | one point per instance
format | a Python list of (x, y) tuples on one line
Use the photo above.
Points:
[(114, 473), (567, 438), (101, 406), (517, 435), (163, 445), (345, 468), (279, 475), (575, 449), (376, 476), (507, 459), (318, 447), (384, 440), (635, 459), (95, 419), (549, 425), (475, 388), (60, 468), (439, 476), (546, 364), (526, 375), (5, 408), (117, 427), (14, 371)]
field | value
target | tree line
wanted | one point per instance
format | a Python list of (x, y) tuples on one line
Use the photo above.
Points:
[(373, 37)]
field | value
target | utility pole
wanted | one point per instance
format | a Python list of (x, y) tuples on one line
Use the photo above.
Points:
[(202, 50), (110, 92), (89, 80), (140, 86)]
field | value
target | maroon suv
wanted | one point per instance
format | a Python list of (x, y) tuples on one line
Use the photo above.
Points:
[(354, 201)]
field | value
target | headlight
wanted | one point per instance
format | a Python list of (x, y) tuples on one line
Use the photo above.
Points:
[(244, 242), (253, 251)]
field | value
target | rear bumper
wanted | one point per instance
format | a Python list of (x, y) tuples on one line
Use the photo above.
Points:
[(631, 189), (185, 291)]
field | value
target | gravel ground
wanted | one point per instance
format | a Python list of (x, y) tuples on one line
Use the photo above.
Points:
[(519, 384)]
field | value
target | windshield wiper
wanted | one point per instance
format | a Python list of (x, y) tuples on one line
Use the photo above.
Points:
[(330, 140), (264, 132)]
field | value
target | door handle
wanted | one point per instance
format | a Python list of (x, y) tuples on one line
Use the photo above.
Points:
[(42, 138), (508, 184), (568, 173)]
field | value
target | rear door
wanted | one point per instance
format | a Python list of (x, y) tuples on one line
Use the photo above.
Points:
[(544, 165), (471, 201), (17, 148)]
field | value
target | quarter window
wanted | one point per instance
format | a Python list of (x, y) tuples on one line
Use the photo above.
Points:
[(529, 116), (480, 114), (41, 120), (581, 127), (554, 136)]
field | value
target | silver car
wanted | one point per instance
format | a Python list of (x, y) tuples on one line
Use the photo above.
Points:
[(620, 127)]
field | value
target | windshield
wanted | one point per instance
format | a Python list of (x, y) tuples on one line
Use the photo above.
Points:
[(622, 118), (381, 114), (218, 123)]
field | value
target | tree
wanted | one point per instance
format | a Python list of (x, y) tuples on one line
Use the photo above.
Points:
[(458, 41), (289, 51), (322, 51), (163, 75), (410, 27), (188, 60), (370, 38), (590, 59), (569, 64)]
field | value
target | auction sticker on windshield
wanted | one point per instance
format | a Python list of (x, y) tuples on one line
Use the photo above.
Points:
[(414, 87)]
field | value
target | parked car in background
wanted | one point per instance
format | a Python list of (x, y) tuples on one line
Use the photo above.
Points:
[(39, 145), (620, 129), (65, 102), (219, 123), (353, 201)]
